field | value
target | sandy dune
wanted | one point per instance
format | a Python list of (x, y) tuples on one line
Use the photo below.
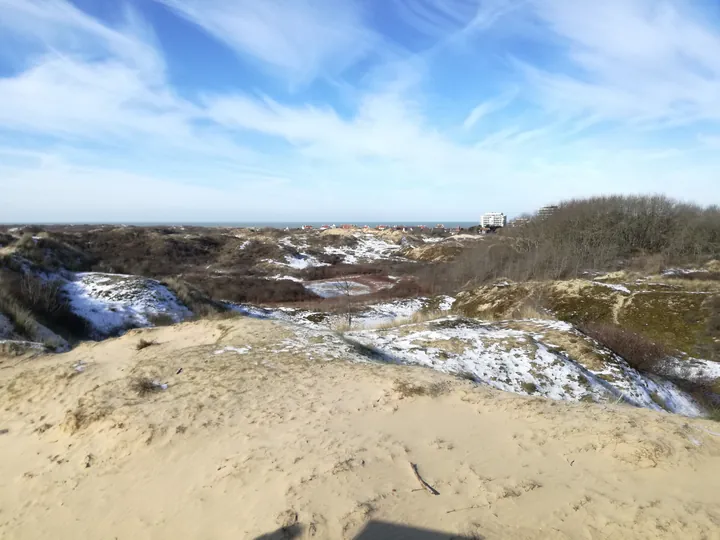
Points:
[(274, 437)]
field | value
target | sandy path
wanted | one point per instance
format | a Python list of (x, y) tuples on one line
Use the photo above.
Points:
[(243, 443)]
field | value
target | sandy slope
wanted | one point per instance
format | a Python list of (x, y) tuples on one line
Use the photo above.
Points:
[(244, 441)]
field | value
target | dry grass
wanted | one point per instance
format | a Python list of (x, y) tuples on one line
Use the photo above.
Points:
[(22, 319), (143, 386), (695, 285), (144, 344), (161, 319), (407, 389)]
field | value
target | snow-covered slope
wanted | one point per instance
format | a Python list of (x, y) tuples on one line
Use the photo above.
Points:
[(369, 248), (113, 303), (521, 361)]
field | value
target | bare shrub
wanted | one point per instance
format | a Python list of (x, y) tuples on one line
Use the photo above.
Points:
[(21, 318), (407, 389), (193, 298), (46, 302), (600, 233), (161, 319), (337, 270), (143, 386), (256, 290), (144, 344), (45, 296), (637, 350), (699, 276)]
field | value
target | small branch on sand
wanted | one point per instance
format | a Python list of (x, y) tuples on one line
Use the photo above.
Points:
[(463, 509), (423, 482)]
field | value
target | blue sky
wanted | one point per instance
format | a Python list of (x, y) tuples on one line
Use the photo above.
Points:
[(249, 110)]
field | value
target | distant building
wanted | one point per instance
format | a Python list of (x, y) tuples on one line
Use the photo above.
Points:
[(493, 220), (307, 227), (519, 222), (547, 211)]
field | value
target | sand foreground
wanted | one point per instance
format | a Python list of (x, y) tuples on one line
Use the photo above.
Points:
[(263, 432)]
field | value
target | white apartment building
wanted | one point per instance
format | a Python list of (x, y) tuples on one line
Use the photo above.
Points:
[(493, 219)]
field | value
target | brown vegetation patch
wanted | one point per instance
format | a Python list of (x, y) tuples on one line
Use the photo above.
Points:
[(637, 350)]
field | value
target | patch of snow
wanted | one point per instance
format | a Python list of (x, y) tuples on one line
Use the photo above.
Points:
[(332, 289), (693, 369), (614, 286), (245, 244), (446, 303), (369, 248), (303, 261), (113, 303), (519, 361), (389, 312), (286, 278), (238, 350), (682, 271), (30, 345)]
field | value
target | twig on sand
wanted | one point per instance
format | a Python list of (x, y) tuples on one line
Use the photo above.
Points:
[(423, 482), (462, 509)]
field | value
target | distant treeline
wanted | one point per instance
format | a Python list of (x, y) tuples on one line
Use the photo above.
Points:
[(599, 233)]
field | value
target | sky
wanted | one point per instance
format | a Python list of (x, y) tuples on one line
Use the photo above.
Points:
[(293, 110)]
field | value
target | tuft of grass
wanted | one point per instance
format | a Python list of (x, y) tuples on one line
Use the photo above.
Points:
[(194, 299), (408, 390), (660, 402), (468, 376), (530, 388), (714, 414), (143, 386), (161, 319), (22, 319), (144, 344)]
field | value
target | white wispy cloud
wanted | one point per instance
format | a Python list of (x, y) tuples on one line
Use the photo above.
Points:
[(488, 107), (631, 60), (298, 40)]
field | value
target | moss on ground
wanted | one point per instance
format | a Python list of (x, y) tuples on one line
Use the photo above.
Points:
[(593, 303), (676, 319)]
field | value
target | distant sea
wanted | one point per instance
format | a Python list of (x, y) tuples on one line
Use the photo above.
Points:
[(316, 224)]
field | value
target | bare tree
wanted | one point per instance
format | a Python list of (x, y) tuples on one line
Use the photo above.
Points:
[(344, 289)]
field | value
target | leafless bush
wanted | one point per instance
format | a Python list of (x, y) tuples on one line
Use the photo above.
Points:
[(637, 350), (255, 290), (600, 233), (193, 298), (143, 386), (338, 270), (32, 298), (161, 319), (699, 276), (43, 295), (144, 344), (22, 319)]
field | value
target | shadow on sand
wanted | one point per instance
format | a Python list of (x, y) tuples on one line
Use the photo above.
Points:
[(375, 530)]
